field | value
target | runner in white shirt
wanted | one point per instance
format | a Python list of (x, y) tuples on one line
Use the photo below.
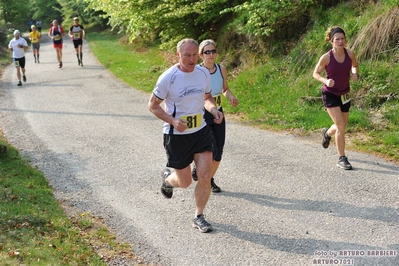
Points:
[(185, 89), (18, 46)]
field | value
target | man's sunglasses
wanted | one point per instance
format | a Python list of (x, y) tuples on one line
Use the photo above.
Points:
[(210, 51)]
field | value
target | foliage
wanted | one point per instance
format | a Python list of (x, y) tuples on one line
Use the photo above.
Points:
[(260, 17), (15, 11), (167, 20), (45, 11), (80, 9)]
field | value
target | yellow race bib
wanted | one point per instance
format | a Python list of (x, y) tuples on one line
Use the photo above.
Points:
[(57, 37), (76, 35), (345, 98), (218, 100), (16, 63), (192, 121)]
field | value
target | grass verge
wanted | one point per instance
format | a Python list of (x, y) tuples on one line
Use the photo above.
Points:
[(36, 231)]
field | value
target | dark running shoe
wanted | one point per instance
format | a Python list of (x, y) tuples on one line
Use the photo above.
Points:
[(166, 190), (215, 188), (326, 139), (202, 225), (194, 174), (19, 83), (24, 78), (60, 65), (343, 163)]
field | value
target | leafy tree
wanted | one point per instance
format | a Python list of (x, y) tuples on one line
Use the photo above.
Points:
[(265, 17), (46, 10), (168, 20), (80, 8), (16, 12)]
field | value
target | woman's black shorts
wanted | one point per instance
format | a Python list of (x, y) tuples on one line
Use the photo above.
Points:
[(332, 100)]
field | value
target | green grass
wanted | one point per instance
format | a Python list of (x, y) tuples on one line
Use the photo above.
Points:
[(140, 68), (34, 230)]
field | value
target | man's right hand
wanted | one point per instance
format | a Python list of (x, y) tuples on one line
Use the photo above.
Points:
[(179, 124)]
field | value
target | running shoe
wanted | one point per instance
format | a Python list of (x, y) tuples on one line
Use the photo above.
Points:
[(166, 190), (194, 174), (215, 188), (24, 78), (60, 65), (325, 139), (202, 225), (343, 163), (19, 83)]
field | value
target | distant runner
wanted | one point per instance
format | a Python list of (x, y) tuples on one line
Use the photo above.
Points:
[(56, 32), (18, 46), (34, 38), (78, 33)]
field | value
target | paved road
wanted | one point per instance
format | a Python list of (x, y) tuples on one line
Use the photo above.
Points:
[(283, 201)]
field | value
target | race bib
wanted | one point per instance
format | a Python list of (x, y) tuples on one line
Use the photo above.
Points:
[(192, 121), (345, 98), (16, 63), (218, 100), (34, 40), (76, 35), (57, 37)]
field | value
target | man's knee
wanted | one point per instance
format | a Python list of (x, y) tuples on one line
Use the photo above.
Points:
[(204, 174), (185, 183)]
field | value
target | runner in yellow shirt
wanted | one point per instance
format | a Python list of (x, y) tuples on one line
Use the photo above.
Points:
[(34, 38)]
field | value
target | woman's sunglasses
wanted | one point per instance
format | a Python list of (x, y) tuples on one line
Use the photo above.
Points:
[(210, 51)]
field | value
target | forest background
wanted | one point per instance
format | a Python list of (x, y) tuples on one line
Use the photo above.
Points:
[(270, 48)]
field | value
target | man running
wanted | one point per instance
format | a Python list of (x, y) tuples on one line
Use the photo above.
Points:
[(56, 33), (185, 88), (18, 46), (77, 33)]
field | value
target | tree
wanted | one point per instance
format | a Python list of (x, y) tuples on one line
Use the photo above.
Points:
[(46, 10), (168, 20), (16, 12)]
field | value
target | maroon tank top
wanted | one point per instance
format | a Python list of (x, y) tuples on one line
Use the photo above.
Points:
[(340, 73)]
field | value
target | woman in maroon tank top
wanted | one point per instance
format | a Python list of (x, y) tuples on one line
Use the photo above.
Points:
[(340, 65)]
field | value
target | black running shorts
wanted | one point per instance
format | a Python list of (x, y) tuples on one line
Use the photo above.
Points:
[(76, 43), (21, 62), (332, 100), (180, 149)]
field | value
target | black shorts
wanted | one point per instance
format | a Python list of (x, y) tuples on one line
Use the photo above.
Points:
[(76, 43), (219, 134), (21, 62), (180, 149), (332, 100)]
